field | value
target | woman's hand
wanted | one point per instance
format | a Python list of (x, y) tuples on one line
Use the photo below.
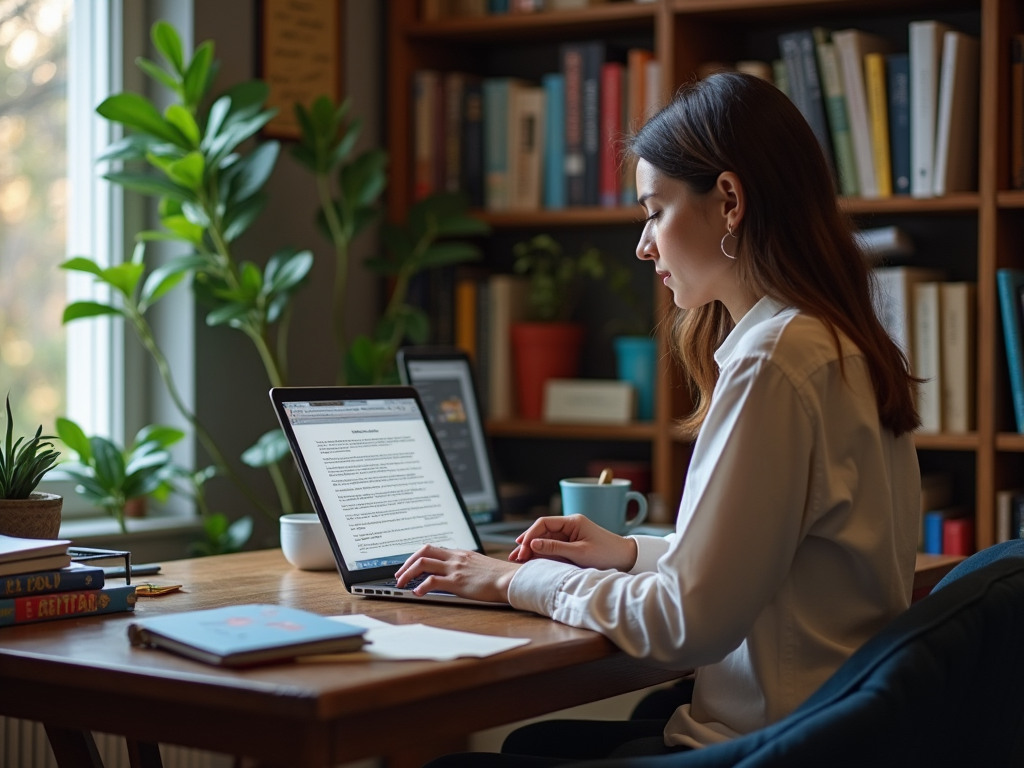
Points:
[(463, 573), (578, 540)]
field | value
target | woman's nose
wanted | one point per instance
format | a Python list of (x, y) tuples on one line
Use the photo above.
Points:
[(645, 248)]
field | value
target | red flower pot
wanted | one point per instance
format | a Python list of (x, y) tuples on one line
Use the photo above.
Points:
[(543, 351)]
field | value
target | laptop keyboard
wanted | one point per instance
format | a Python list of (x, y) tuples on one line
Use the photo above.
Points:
[(386, 587)]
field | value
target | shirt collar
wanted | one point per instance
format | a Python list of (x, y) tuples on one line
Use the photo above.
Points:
[(765, 309)]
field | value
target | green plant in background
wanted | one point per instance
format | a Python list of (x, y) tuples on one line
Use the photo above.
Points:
[(23, 462), (553, 275), (109, 477)]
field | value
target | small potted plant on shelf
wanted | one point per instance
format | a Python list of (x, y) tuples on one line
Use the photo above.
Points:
[(548, 346), (115, 479), (25, 512)]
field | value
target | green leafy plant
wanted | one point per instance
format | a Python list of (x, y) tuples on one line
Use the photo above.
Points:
[(553, 275), (222, 536), (23, 462), (108, 476)]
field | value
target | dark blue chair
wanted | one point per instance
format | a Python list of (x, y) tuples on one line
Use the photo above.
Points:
[(942, 685)]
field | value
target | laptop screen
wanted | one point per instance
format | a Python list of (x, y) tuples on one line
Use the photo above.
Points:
[(379, 478), (446, 388)]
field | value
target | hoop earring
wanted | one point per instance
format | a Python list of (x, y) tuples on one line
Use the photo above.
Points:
[(728, 234)]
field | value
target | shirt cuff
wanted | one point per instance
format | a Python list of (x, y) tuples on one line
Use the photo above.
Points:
[(535, 584), (649, 550)]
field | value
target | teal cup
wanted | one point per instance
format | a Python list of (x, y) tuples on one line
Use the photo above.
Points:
[(605, 504)]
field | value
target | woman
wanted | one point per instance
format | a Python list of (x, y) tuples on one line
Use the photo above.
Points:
[(797, 528)]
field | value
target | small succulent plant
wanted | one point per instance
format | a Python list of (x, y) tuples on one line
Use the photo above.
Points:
[(23, 462)]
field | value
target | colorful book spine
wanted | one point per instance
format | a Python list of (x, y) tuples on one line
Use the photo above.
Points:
[(898, 91), (593, 59), (958, 536), (798, 51), (612, 75), (465, 316), (65, 605), (46, 582), (835, 105), (496, 117), (473, 143), (554, 142), (425, 91), (571, 57), (1009, 283), (878, 114)]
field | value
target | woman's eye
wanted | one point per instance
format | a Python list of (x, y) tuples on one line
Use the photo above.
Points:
[(652, 217)]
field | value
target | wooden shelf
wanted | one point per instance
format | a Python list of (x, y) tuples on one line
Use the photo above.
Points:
[(947, 442), (521, 428), (902, 205), (1011, 198), (1010, 441), (566, 217), (560, 24)]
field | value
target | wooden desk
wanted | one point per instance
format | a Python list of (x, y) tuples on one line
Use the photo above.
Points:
[(83, 674)]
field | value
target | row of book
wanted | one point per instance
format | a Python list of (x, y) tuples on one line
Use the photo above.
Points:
[(945, 529), (38, 582), (1010, 286), (893, 123), (509, 144), (433, 10), (934, 324)]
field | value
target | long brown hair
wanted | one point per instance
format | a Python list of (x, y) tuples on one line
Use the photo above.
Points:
[(795, 245)]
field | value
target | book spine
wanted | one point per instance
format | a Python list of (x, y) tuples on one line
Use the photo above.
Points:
[(789, 49), (1009, 282), (527, 114), (898, 71), (611, 132), (813, 96), (572, 71), (47, 582), (473, 144), (652, 87), (454, 98), (958, 536), (593, 59), (926, 356), (465, 316), (852, 67), (925, 55), (933, 533), (483, 344), (958, 302), (439, 161), (1017, 517), (1004, 514), (424, 105), (496, 97), (835, 102), (878, 112), (554, 142), (507, 304), (956, 133), (1017, 111), (63, 605)]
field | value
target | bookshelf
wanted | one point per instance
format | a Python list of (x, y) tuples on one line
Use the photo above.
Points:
[(970, 235)]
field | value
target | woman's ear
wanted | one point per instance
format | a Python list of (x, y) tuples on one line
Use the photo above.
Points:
[(733, 204)]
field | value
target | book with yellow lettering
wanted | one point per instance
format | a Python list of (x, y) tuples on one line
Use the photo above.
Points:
[(878, 113), (75, 576), (66, 605)]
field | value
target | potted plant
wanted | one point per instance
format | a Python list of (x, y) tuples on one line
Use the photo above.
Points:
[(25, 512), (548, 345), (114, 479)]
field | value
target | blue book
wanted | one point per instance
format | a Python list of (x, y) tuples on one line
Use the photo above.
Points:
[(897, 68), (496, 96), (497, 6), (554, 141), (933, 533), (66, 605), (45, 582), (1009, 283), (244, 635)]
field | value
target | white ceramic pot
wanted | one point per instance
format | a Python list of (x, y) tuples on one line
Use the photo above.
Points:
[(304, 543)]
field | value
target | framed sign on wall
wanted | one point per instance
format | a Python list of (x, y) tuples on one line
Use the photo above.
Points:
[(300, 57)]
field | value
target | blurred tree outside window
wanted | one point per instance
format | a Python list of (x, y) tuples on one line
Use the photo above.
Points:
[(33, 208)]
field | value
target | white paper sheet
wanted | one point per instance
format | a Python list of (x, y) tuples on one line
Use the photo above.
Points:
[(409, 642)]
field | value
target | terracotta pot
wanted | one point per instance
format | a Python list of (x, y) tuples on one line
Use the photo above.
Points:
[(136, 507), (37, 517), (543, 351)]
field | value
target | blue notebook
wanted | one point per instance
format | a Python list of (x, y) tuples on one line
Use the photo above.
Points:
[(244, 635)]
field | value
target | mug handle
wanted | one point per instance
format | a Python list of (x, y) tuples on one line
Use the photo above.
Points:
[(641, 514)]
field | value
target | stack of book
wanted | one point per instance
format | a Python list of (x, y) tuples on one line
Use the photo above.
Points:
[(509, 144), (38, 582), (945, 529), (893, 123)]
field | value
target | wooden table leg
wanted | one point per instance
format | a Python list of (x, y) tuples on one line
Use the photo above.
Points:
[(73, 748), (143, 754)]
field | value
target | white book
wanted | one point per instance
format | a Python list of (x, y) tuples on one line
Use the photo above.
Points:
[(958, 302), (1004, 514), (878, 243), (956, 133), (927, 361), (526, 147), (506, 305), (925, 58), (893, 299), (851, 46), (652, 88)]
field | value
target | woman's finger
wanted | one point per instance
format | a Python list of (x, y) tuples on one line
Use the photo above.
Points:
[(419, 566), (427, 550)]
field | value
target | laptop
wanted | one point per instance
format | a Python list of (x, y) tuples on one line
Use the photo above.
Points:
[(378, 480), (443, 376)]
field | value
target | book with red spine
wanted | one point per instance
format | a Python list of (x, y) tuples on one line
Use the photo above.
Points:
[(958, 536), (67, 605), (612, 77)]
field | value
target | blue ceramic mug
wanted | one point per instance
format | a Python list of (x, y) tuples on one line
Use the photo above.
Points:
[(604, 504)]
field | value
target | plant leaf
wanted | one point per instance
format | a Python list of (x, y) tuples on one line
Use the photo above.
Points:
[(74, 438), (159, 74), (81, 309), (215, 120), (138, 112), (188, 172), (447, 254), (253, 171), (159, 433), (166, 40), (291, 271), (182, 119), (165, 277), (149, 184), (82, 264), (197, 77), (237, 534), (108, 463), (364, 179), (131, 147), (239, 218), (269, 449), (227, 313), (124, 277), (461, 225)]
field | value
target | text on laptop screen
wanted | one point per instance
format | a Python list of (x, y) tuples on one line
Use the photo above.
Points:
[(446, 388), (379, 478)]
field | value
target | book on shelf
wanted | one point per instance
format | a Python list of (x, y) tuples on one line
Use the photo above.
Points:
[(611, 130), (958, 302), (878, 114), (525, 140), (958, 536), (65, 605), (1017, 111), (956, 133), (635, 102), (852, 45), (936, 493), (465, 316), (925, 42), (927, 360), (472, 149), (799, 53), (554, 141), (593, 59), (653, 99), (499, 95), (898, 90), (571, 58), (1009, 283), (893, 299), (506, 304), (73, 577), (835, 104), (878, 243), (426, 103), (245, 635), (1007, 522), (934, 528)]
